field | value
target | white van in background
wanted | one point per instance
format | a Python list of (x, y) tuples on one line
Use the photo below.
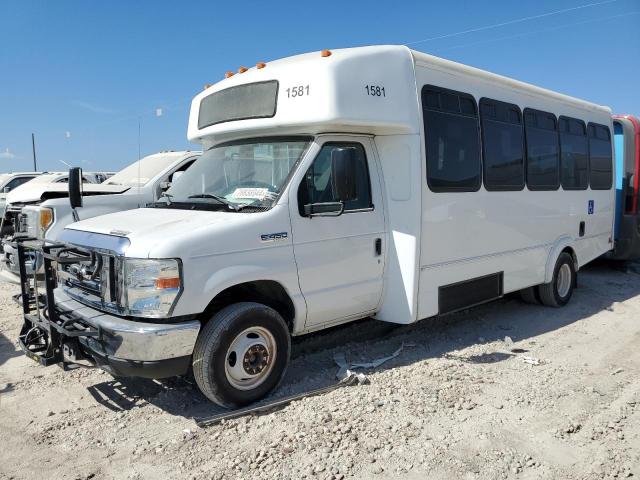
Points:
[(335, 185)]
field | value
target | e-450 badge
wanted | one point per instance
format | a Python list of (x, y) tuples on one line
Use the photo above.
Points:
[(273, 237)]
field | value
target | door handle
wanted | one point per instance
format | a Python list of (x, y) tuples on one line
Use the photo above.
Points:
[(378, 245), (581, 229)]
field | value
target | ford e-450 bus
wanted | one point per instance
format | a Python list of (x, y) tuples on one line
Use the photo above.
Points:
[(335, 185)]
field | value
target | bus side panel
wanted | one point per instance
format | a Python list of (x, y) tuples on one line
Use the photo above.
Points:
[(400, 160), (469, 235)]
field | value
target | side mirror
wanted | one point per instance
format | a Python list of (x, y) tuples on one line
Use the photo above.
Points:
[(75, 187), (164, 186), (343, 174)]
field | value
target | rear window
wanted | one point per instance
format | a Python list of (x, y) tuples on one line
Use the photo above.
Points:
[(242, 102), (600, 157)]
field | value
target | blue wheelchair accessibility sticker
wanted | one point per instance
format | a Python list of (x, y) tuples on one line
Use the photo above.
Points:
[(590, 207)]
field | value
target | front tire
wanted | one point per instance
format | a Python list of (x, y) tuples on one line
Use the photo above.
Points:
[(557, 293), (241, 354)]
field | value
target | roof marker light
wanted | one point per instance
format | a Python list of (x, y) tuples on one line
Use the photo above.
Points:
[(261, 65), (207, 85), (242, 69), (228, 74), (325, 53)]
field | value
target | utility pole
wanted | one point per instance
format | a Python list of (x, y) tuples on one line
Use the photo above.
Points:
[(33, 145)]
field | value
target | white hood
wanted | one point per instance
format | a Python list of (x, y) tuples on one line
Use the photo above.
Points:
[(152, 224), (165, 233), (35, 192)]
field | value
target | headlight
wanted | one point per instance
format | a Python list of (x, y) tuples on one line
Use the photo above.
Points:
[(151, 287), (37, 221)]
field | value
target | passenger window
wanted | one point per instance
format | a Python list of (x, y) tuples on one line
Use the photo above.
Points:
[(502, 144), (574, 154), (542, 150), (600, 157), (316, 186), (452, 140)]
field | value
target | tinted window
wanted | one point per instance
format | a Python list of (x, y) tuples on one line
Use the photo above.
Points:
[(16, 182), (574, 154), (502, 144), (317, 187), (452, 143), (600, 159), (542, 150), (253, 100)]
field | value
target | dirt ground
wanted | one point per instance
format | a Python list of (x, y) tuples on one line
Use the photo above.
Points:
[(461, 403)]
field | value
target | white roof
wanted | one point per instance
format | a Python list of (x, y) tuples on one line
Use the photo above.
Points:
[(335, 100), (423, 59)]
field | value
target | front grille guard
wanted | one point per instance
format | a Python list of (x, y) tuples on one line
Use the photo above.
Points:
[(49, 335)]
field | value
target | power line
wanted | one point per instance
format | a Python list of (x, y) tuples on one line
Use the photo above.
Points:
[(524, 34), (511, 22)]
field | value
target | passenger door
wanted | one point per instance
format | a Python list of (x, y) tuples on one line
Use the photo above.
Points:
[(340, 259)]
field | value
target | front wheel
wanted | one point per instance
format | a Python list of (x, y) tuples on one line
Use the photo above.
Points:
[(241, 354)]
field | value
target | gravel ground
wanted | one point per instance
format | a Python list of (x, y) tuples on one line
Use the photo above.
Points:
[(461, 403)]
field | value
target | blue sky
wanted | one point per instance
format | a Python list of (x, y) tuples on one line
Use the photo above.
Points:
[(82, 74)]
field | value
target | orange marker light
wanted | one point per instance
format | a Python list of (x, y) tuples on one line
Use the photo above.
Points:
[(228, 74), (242, 69), (46, 218), (261, 65), (165, 283), (325, 53)]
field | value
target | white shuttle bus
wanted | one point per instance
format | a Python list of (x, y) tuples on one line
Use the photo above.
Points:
[(334, 185)]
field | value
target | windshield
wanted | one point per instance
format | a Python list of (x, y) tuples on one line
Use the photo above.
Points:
[(244, 173), (141, 172)]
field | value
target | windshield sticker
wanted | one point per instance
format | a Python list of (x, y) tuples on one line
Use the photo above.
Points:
[(253, 193)]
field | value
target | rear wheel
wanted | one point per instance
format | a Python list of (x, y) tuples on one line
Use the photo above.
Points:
[(241, 354), (557, 293)]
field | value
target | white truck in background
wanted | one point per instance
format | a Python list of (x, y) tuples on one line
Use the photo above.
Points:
[(44, 211), (31, 191), (10, 181)]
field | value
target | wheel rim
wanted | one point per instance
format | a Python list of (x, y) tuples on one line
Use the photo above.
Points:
[(563, 282), (250, 358)]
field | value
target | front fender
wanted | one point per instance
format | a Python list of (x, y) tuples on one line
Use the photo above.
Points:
[(195, 298)]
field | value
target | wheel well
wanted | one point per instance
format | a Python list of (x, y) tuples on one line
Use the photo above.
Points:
[(267, 292), (571, 252)]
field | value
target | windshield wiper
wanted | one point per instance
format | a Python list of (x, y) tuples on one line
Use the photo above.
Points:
[(217, 198)]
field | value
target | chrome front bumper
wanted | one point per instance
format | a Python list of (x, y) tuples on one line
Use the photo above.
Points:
[(131, 340)]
